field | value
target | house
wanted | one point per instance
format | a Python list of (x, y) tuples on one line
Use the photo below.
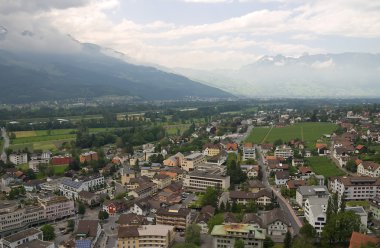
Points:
[(294, 184), (113, 207), (322, 149), (131, 219), (359, 240), (374, 207), (252, 236), (281, 177), (305, 192), (360, 149), (369, 168), (31, 237), (305, 172), (255, 186), (308, 154), (205, 215), (263, 197), (162, 180), (61, 159), (175, 160), (276, 222), (284, 151), (144, 190), (211, 150), (127, 174), (89, 198), (140, 207), (88, 157), (146, 236), (88, 229), (249, 151), (298, 162), (315, 212), (175, 173), (232, 147), (276, 166), (265, 148)]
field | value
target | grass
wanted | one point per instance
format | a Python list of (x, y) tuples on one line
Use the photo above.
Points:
[(308, 132), (59, 170), (51, 145), (364, 204), (324, 166), (22, 167), (173, 129), (23, 134), (42, 138)]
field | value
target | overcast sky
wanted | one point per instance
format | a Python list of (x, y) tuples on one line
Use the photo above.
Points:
[(204, 34)]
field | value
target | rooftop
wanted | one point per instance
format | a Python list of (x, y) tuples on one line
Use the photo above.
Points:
[(22, 234), (223, 230)]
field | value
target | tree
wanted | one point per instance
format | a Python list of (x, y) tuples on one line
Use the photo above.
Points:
[(239, 243), (210, 197), (339, 227), (81, 209), (288, 240), (268, 242), (222, 207), (215, 220), (185, 245), (332, 206), (193, 234), (103, 215), (48, 232), (351, 166), (308, 231), (70, 225), (342, 203)]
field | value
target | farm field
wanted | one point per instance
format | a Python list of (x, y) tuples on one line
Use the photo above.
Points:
[(59, 170), (324, 166), (51, 145), (308, 132), (173, 129)]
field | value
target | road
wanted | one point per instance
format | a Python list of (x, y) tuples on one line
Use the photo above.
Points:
[(285, 206), (243, 136), (6, 144)]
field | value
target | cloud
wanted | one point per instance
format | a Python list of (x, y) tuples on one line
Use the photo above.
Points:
[(208, 1), (323, 64), (11, 6)]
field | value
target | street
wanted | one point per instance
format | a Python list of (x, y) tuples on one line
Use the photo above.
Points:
[(6, 144), (285, 206)]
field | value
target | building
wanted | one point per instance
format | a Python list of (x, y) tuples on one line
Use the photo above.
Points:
[(276, 222), (88, 229), (28, 238), (368, 168), (175, 160), (57, 207), (144, 190), (192, 161), (18, 158), (201, 180), (305, 192), (281, 177), (374, 207), (205, 215), (145, 236), (211, 150), (359, 240), (61, 159), (70, 188), (315, 212), (284, 151), (89, 198), (355, 188), (262, 197), (226, 235), (126, 175), (363, 215), (175, 216), (131, 219), (115, 206), (88, 157), (162, 180), (249, 151)]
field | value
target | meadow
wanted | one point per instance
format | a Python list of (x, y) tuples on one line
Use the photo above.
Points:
[(324, 166), (309, 132)]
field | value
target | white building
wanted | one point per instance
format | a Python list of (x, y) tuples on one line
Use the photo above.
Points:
[(249, 151), (368, 168), (284, 151), (355, 188), (306, 192), (71, 188), (31, 237), (18, 158), (363, 215), (315, 212), (192, 161), (201, 180)]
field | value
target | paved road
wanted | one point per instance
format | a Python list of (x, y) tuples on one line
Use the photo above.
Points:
[(285, 206), (243, 136), (6, 144)]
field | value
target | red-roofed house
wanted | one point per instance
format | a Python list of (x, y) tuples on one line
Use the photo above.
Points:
[(359, 240)]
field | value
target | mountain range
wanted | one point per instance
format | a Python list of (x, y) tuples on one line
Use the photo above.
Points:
[(342, 75), (88, 71)]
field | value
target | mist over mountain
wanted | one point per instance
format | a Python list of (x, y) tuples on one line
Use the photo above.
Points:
[(322, 75), (37, 67)]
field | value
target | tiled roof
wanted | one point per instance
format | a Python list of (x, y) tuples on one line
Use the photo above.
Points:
[(359, 240)]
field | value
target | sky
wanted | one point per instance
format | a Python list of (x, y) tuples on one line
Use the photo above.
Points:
[(198, 34)]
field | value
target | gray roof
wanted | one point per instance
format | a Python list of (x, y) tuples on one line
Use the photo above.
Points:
[(357, 210), (311, 190), (71, 183), (22, 234), (318, 201), (35, 244)]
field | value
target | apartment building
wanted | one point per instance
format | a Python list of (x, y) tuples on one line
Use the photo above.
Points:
[(226, 235), (355, 188), (57, 207), (145, 236), (192, 161), (70, 188), (18, 158), (175, 216), (211, 150), (305, 192), (144, 190), (13, 216), (126, 175), (88, 157), (374, 207), (368, 168), (28, 238), (262, 197), (162, 180), (315, 212), (200, 180), (249, 151), (61, 159), (283, 151)]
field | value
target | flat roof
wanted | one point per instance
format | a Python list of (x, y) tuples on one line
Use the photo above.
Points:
[(22, 234)]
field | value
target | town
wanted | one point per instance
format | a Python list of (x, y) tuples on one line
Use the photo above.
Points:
[(184, 175)]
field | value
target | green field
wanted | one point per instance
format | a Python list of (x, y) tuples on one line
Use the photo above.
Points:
[(173, 129), (59, 170), (324, 166), (308, 132), (52, 145)]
